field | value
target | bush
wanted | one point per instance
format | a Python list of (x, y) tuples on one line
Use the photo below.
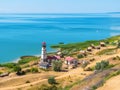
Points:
[(17, 68), (57, 65), (118, 46), (51, 80), (102, 65), (34, 70), (84, 64), (80, 56)]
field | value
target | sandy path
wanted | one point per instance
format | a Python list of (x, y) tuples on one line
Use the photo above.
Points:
[(111, 84)]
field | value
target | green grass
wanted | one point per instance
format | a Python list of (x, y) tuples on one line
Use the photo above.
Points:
[(114, 38), (112, 75), (23, 61), (107, 51), (84, 45), (71, 85), (76, 46), (27, 59)]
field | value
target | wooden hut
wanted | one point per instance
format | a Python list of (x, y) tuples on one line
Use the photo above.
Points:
[(93, 46), (102, 44), (89, 49)]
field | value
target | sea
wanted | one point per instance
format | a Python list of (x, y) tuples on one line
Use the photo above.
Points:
[(21, 34)]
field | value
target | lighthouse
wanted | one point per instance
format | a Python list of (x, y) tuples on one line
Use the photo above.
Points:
[(43, 52), (46, 60)]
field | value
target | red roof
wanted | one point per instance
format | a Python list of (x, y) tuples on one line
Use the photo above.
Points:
[(69, 58), (52, 57), (58, 57)]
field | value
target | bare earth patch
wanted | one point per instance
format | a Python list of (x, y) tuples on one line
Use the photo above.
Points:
[(111, 84)]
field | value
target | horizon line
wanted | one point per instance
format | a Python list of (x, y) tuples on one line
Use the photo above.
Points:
[(60, 13)]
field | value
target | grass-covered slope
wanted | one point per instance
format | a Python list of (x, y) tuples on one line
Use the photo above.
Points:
[(83, 45)]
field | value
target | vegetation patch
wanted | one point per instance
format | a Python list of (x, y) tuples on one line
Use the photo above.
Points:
[(112, 75), (84, 45), (27, 59), (107, 51), (103, 65), (57, 65)]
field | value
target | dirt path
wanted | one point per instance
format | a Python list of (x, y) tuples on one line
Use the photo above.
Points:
[(112, 84), (96, 79)]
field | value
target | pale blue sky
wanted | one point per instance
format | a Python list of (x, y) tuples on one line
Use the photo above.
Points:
[(59, 6)]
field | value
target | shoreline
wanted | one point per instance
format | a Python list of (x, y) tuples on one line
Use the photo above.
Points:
[(55, 49), (17, 59)]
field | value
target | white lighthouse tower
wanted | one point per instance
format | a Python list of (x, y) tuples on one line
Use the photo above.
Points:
[(43, 52)]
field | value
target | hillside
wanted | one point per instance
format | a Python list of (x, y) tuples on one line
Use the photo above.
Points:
[(75, 78), (111, 84)]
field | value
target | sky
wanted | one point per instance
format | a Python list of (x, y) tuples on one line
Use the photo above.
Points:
[(59, 6)]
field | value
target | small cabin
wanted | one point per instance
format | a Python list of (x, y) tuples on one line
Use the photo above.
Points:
[(71, 61), (93, 46), (89, 49), (83, 52), (102, 44)]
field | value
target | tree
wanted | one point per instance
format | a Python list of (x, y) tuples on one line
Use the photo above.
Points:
[(17, 69), (51, 80), (97, 66), (84, 64), (57, 65), (80, 56), (118, 45), (102, 65)]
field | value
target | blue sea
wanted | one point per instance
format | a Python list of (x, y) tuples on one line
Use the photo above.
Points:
[(22, 34)]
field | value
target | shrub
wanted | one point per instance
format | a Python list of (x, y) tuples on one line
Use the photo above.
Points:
[(57, 65), (80, 56), (34, 70), (102, 65), (51, 80), (84, 64), (118, 46), (17, 69)]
